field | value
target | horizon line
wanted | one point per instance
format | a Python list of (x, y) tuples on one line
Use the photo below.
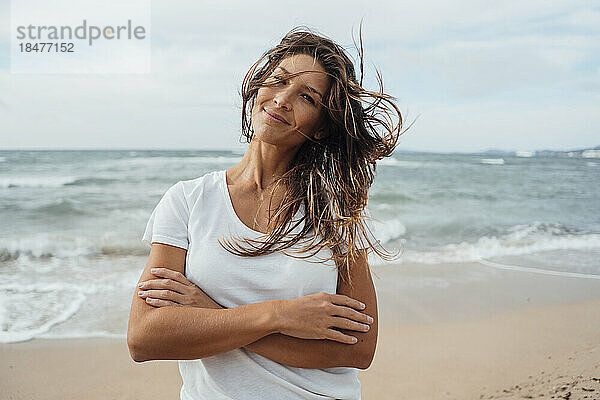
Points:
[(241, 147)]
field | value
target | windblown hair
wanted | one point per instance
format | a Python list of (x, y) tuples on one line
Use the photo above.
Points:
[(330, 176)]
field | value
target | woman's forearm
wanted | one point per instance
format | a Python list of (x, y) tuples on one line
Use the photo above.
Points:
[(187, 333), (307, 353), (296, 352)]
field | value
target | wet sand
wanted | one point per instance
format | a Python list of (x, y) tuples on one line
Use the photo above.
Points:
[(464, 331)]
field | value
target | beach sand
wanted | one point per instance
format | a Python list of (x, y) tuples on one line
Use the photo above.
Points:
[(496, 335)]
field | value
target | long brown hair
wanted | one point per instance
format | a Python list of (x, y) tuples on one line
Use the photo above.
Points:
[(330, 176)]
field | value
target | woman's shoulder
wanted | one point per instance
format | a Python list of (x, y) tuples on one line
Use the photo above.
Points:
[(192, 189), (210, 178)]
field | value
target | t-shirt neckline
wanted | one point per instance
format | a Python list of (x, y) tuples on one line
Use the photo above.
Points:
[(229, 205), (233, 214)]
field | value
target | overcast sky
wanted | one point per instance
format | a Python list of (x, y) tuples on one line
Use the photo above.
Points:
[(513, 75)]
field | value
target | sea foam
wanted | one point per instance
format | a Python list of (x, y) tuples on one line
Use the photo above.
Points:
[(35, 181), (516, 240)]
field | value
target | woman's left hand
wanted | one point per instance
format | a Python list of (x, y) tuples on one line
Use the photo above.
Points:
[(170, 289)]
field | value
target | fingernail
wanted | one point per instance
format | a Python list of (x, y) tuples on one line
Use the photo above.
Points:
[(354, 340), (370, 319), (140, 293), (154, 270), (362, 305), (141, 285)]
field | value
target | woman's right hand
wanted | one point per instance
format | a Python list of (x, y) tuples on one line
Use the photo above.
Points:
[(313, 317)]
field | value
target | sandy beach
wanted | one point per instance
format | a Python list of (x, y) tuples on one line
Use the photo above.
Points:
[(500, 335)]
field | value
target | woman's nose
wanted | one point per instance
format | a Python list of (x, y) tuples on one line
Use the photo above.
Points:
[(282, 100)]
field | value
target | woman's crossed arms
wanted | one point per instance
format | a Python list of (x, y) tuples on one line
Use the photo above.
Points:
[(173, 319)]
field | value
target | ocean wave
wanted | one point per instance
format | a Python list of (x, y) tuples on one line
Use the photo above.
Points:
[(76, 334), (69, 207), (394, 162), (153, 161), (91, 181), (383, 199), (463, 194), (116, 250), (394, 200), (389, 230), (35, 181), (52, 181), (61, 206), (52, 246), (516, 240), (119, 214), (492, 161), (49, 287), (34, 300), (26, 327)]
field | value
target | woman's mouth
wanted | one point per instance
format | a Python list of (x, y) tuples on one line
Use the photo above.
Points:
[(274, 117)]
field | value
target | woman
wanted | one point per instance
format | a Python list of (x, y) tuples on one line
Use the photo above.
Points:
[(267, 261)]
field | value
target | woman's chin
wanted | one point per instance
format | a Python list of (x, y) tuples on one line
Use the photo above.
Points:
[(272, 137)]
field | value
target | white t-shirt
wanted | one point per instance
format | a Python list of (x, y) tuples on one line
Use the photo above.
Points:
[(192, 215)]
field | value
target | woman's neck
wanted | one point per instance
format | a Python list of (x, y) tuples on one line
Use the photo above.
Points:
[(262, 164)]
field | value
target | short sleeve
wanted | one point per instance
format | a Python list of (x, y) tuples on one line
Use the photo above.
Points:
[(168, 223)]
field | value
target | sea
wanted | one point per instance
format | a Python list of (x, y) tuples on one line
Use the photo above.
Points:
[(71, 251)]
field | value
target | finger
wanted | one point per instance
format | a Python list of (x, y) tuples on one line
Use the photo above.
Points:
[(351, 313), (169, 273), (164, 283), (348, 324), (160, 303), (340, 337), (343, 300), (163, 295)]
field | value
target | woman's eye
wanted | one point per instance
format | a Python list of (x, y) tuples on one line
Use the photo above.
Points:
[(310, 99), (280, 80)]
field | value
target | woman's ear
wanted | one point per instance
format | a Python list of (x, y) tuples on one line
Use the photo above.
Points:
[(320, 133), (322, 130)]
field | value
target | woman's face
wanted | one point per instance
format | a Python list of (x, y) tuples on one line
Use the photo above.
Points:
[(297, 101)]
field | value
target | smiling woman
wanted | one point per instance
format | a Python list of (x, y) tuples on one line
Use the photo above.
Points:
[(290, 101), (262, 283)]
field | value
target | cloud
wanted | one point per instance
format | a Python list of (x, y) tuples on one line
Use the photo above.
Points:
[(489, 125), (480, 74), (480, 68)]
